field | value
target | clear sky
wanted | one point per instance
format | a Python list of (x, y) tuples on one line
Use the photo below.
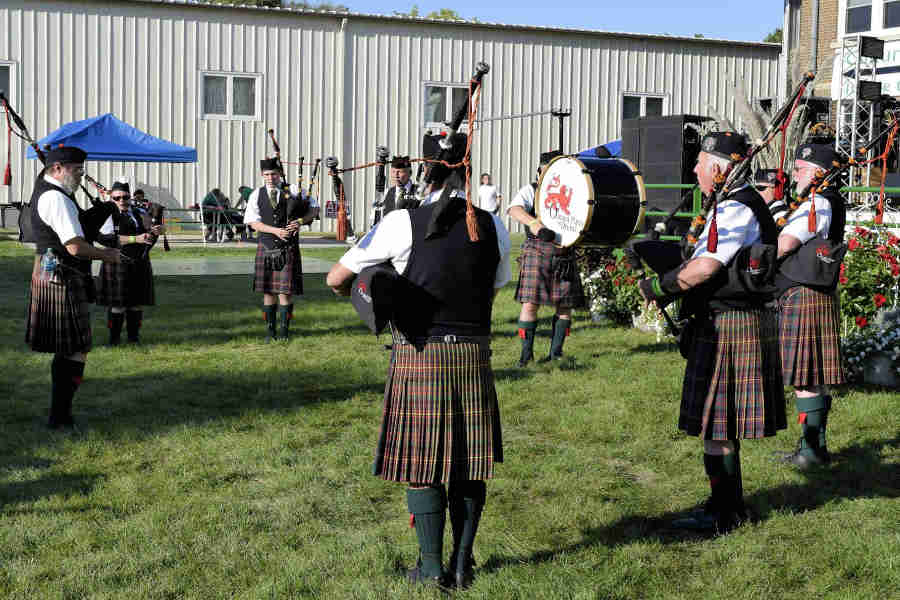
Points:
[(728, 19)]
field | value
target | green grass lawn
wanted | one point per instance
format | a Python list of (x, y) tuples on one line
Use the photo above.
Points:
[(210, 465)]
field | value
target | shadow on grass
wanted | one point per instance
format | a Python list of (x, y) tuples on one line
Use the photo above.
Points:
[(655, 348), (64, 484), (855, 472)]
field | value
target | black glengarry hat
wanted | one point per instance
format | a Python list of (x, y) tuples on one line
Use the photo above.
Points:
[(546, 157), (725, 144), (400, 162), (65, 154), (268, 164), (121, 186), (821, 155), (765, 177)]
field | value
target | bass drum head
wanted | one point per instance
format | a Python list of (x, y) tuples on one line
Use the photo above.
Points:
[(591, 202), (563, 200)]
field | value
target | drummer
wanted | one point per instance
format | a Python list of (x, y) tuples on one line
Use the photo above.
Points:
[(547, 275)]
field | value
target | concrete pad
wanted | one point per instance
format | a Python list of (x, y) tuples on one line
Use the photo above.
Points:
[(224, 265)]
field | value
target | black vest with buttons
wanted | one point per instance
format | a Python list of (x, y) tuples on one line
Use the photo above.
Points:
[(43, 234), (274, 217), (452, 278)]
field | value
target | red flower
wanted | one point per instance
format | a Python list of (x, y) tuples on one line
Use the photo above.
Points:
[(881, 249), (893, 240), (879, 300), (853, 244), (843, 279), (617, 282), (895, 271), (843, 268), (610, 268), (861, 232), (630, 280), (861, 322)]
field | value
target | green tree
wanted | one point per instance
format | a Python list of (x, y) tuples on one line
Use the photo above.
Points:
[(446, 14), (775, 36)]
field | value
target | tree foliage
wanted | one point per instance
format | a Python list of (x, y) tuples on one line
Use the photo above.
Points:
[(446, 14), (774, 37), (279, 3)]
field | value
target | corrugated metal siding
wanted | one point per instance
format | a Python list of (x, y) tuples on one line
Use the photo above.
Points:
[(333, 86)]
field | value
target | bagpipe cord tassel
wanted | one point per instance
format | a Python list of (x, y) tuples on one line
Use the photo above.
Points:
[(712, 242), (7, 174), (811, 222), (471, 219)]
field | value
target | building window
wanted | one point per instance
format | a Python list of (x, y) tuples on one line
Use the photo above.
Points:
[(441, 101), (859, 16), (231, 96), (6, 80), (634, 106), (891, 14)]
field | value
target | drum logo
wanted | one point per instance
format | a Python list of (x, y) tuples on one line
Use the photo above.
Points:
[(558, 197), (361, 289)]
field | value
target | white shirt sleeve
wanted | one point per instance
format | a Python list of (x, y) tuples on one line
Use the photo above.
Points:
[(505, 244), (798, 225), (251, 214), (60, 214), (737, 227), (107, 228), (524, 198), (390, 239)]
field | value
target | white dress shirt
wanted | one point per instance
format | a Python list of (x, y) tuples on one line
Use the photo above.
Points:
[(59, 212)]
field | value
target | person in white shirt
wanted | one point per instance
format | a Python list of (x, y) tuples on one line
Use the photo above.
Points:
[(441, 421), (276, 214), (547, 276), (489, 197), (732, 383), (59, 318), (809, 316)]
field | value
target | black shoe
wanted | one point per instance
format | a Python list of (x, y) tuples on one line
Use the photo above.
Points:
[(463, 579), (524, 360), (416, 577), (804, 458), (708, 520)]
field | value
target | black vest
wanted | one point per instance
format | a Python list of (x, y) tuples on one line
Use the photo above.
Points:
[(275, 217), (392, 202), (127, 226), (723, 291), (43, 234), (451, 278), (532, 212)]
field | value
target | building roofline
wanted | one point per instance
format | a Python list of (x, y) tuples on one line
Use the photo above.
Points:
[(476, 24)]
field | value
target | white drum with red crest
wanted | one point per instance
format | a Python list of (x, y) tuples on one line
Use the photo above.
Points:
[(591, 201)]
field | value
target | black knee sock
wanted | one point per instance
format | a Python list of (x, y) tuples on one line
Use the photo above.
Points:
[(732, 465), (813, 417), (115, 327), (428, 507), (65, 377), (285, 313), (269, 316), (526, 333), (133, 319), (560, 332), (467, 500), (719, 482)]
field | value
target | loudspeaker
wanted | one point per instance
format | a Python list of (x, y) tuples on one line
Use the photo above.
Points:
[(665, 150)]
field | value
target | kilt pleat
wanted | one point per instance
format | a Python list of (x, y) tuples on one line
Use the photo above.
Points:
[(58, 317), (732, 385), (288, 280), (809, 331), (538, 284), (126, 284), (441, 419)]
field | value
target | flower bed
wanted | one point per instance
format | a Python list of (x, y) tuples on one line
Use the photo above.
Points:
[(869, 276), (609, 285)]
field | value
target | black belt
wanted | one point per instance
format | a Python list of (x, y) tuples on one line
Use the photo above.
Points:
[(483, 340)]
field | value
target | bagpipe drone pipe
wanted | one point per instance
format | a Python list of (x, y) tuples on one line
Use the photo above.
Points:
[(91, 219)]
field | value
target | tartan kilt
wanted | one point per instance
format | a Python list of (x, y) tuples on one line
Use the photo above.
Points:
[(809, 332), (732, 383), (538, 284), (441, 419), (58, 317), (126, 284), (288, 280)]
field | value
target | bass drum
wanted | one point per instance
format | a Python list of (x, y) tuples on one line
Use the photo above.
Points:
[(591, 201)]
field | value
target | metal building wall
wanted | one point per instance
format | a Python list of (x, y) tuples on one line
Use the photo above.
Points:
[(531, 71), (354, 82), (143, 63)]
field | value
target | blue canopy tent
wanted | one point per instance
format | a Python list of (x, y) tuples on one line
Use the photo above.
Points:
[(614, 147), (107, 138)]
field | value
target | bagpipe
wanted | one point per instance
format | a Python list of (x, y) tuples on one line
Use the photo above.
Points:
[(91, 219), (297, 205)]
